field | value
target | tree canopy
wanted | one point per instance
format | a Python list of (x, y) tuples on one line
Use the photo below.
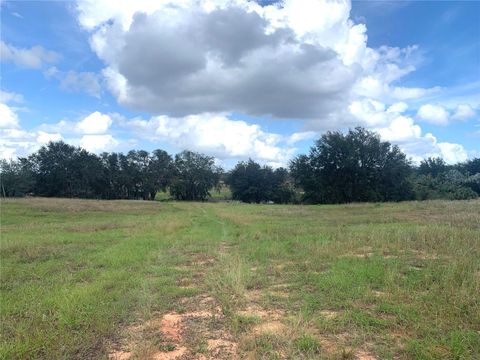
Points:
[(195, 174), (352, 167), (252, 183), (340, 168)]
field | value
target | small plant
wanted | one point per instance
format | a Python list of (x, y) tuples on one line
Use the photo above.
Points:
[(308, 344), (167, 347)]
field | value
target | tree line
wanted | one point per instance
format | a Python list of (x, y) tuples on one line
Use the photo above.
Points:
[(339, 168)]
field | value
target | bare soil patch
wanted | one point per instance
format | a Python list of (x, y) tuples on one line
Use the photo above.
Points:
[(269, 327)]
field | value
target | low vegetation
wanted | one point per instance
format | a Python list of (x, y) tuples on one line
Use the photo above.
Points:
[(86, 279)]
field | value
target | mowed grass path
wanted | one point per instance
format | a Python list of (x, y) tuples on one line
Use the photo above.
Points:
[(85, 279)]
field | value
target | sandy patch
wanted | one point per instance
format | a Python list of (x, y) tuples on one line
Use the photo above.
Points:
[(253, 295), (271, 327), (364, 355), (171, 326), (119, 355), (170, 355), (221, 347), (258, 311)]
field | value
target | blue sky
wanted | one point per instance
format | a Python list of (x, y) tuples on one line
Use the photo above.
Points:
[(240, 79)]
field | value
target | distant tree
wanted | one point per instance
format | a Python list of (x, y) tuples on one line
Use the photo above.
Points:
[(283, 189), (449, 185), (247, 182), (354, 167), (432, 167), (252, 183), (66, 171), (160, 172), (195, 175), (16, 178), (113, 188), (470, 167), (435, 179)]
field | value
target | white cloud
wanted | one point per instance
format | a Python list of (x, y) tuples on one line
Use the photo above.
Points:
[(399, 107), (463, 112), (195, 62), (16, 142), (433, 114), (98, 143), (301, 136), (73, 81), (8, 117), (6, 97), (34, 57), (452, 153), (316, 57), (400, 129), (44, 137), (216, 135), (95, 123)]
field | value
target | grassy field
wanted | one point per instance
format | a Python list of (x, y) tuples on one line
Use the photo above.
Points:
[(87, 279)]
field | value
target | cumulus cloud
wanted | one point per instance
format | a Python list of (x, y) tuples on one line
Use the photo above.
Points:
[(433, 114), (439, 115), (452, 153), (95, 123), (98, 143), (464, 112), (302, 60), (8, 117), (219, 136), (44, 137), (395, 126), (16, 141), (192, 63), (34, 57), (87, 82)]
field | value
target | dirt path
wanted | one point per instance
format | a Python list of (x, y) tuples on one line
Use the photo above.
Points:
[(202, 329)]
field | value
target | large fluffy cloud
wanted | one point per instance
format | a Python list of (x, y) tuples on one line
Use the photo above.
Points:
[(297, 60), (194, 62), (395, 125), (218, 135), (89, 132)]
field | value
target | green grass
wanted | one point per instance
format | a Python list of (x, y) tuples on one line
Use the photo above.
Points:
[(397, 281)]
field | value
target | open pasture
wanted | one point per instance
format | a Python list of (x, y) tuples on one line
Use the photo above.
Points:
[(85, 279)]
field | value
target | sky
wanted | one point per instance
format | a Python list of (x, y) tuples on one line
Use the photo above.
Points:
[(239, 79)]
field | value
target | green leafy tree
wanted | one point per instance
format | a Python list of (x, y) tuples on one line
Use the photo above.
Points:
[(432, 166), (16, 178), (352, 167), (160, 172), (195, 175), (66, 171), (252, 183)]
